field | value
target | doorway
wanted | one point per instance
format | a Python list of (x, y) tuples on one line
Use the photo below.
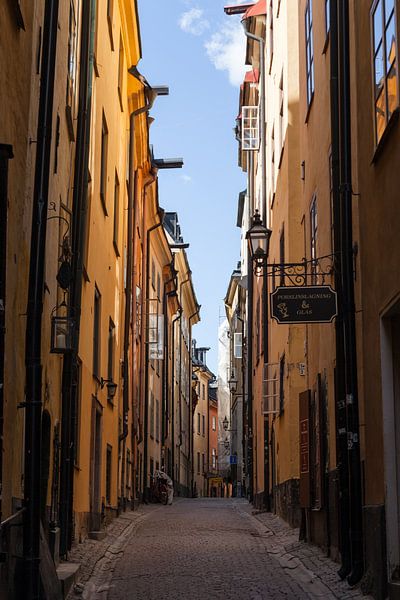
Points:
[(390, 365), (95, 461)]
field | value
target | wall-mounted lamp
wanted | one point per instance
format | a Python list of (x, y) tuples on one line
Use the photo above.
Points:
[(258, 237), (232, 382), (111, 387), (61, 334)]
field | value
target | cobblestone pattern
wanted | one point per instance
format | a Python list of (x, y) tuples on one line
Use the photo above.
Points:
[(283, 542), (95, 556), (204, 549), (201, 549)]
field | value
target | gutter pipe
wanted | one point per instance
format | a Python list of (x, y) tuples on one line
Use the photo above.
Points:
[(340, 407), (191, 424), (261, 42), (146, 380), (33, 365), (350, 338)]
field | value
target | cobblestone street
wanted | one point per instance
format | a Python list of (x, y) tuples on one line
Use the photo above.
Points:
[(207, 549)]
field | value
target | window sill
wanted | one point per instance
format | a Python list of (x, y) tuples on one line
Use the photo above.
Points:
[(386, 134), (309, 108)]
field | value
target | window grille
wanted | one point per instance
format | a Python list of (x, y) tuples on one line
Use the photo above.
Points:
[(250, 128), (271, 392)]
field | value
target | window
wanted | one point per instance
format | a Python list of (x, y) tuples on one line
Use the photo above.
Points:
[(331, 203), (282, 256), (257, 332), (327, 16), (76, 417), (250, 128), (128, 471), (214, 458), (204, 391), (198, 423), (203, 464), (281, 385), (153, 274), (152, 415), (385, 68), (111, 344), (309, 52), (121, 71), (204, 424), (271, 33), (273, 162), (281, 101), (57, 143), (96, 333), (157, 420), (116, 214), (108, 473), (237, 345), (198, 463), (71, 76), (158, 286), (214, 424), (110, 8), (313, 237), (103, 165)]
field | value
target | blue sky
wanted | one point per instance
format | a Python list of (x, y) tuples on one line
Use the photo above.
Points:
[(198, 51)]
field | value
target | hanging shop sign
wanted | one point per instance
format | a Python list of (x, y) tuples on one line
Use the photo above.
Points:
[(304, 304)]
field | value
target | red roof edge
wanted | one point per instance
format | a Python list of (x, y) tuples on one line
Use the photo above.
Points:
[(259, 8)]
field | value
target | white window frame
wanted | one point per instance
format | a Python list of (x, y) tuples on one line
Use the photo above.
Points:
[(250, 128)]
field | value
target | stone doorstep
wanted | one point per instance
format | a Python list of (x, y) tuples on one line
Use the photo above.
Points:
[(97, 535), (67, 574)]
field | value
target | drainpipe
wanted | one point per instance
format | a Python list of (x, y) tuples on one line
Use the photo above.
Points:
[(177, 318), (128, 289), (350, 338), (33, 402), (6, 154), (340, 407), (191, 427), (263, 152), (79, 220), (146, 380)]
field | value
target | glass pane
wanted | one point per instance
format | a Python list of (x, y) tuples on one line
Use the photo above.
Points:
[(380, 111), (389, 7), (392, 89), (379, 70), (377, 24), (390, 43)]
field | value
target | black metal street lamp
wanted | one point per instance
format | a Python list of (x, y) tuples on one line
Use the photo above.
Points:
[(227, 443), (258, 237), (225, 423), (232, 382), (111, 387)]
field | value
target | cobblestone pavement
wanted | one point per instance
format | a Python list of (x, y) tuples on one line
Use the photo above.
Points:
[(205, 549)]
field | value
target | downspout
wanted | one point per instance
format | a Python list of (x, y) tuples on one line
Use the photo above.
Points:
[(340, 407), (177, 318), (6, 154), (165, 371), (146, 380), (191, 416), (128, 289), (243, 369), (79, 219), (33, 341), (350, 338), (180, 362), (263, 153)]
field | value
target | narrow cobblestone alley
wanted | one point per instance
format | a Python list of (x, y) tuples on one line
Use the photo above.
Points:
[(210, 549)]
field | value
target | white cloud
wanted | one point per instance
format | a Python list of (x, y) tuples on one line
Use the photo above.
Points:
[(186, 178), (193, 22), (226, 49)]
